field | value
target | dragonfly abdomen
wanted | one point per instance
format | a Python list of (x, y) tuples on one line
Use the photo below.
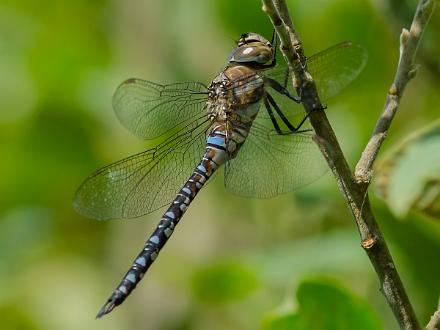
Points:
[(213, 158)]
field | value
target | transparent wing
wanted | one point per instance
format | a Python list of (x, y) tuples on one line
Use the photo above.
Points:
[(336, 67), (142, 183), (332, 69), (149, 110), (269, 164)]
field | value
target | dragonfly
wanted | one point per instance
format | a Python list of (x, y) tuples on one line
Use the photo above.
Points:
[(199, 128)]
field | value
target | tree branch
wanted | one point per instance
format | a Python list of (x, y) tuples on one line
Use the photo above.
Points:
[(409, 42), (434, 323), (355, 193)]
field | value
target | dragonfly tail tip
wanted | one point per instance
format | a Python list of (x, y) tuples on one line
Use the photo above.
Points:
[(107, 308)]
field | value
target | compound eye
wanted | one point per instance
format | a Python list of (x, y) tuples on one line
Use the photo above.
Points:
[(253, 52)]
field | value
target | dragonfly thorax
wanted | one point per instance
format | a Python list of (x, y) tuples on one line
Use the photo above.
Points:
[(218, 104), (232, 91)]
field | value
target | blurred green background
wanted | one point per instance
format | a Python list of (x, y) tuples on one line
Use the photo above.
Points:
[(233, 263)]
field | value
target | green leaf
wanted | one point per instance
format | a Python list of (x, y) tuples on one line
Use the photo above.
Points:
[(323, 304), (409, 176), (224, 282)]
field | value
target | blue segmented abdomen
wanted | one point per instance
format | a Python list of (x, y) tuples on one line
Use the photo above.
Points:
[(213, 158), (217, 141)]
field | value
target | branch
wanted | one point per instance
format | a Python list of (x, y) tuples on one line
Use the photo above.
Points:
[(406, 70), (434, 323), (355, 193)]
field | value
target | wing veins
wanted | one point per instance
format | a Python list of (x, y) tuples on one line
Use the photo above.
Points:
[(160, 157)]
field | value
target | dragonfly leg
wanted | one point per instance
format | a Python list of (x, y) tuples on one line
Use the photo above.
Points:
[(273, 41), (272, 117), (291, 128), (274, 53), (281, 89)]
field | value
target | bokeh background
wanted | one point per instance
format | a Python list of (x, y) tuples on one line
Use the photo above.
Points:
[(233, 263)]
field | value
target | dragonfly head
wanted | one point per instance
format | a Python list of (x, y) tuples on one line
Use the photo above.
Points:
[(252, 49), (250, 37)]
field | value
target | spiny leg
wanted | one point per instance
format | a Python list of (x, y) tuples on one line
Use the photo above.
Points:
[(281, 89), (274, 47), (272, 117), (274, 59), (292, 129)]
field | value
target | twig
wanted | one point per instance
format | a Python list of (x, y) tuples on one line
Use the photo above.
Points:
[(406, 70), (355, 193), (434, 323)]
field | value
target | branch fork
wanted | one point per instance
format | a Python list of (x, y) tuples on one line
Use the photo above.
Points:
[(354, 186)]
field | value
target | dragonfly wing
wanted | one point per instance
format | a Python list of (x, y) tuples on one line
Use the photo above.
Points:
[(336, 67), (149, 110), (142, 183), (269, 164)]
